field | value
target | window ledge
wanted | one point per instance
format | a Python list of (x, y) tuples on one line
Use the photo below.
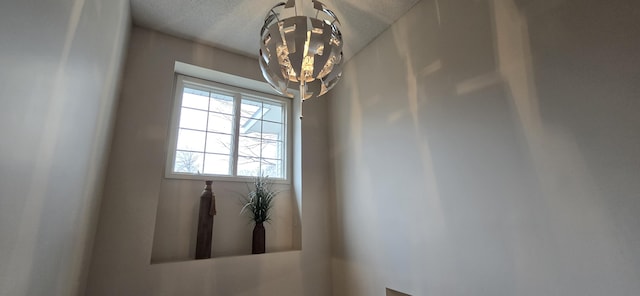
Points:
[(222, 178)]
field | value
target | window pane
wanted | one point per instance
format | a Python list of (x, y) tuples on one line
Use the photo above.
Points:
[(249, 147), (251, 109), (218, 143), (190, 140), (272, 131), (216, 164), (272, 149), (248, 166), (273, 112), (188, 162), (195, 98), (251, 128), (194, 119), (208, 136), (221, 103), (272, 168), (220, 123)]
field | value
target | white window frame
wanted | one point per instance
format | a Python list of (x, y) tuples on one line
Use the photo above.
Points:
[(238, 92)]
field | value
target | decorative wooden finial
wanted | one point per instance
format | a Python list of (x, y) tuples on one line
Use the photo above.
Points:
[(207, 188)]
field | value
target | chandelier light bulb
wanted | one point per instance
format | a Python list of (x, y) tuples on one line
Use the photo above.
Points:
[(301, 51)]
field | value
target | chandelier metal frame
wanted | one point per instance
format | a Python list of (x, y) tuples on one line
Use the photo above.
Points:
[(301, 51)]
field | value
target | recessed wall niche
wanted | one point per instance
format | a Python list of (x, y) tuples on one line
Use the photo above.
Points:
[(391, 292), (177, 217)]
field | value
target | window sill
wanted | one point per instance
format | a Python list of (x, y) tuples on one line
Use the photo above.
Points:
[(221, 178)]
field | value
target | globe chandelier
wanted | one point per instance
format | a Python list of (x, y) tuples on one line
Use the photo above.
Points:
[(301, 51)]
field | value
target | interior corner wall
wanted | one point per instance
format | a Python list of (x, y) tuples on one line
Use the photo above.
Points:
[(123, 253), (491, 148), (60, 67)]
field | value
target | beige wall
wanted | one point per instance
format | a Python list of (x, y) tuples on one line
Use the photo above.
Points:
[(141, 212), (59, 68), (491, 148)]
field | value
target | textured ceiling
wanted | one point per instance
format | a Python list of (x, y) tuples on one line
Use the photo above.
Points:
[(234, 25)]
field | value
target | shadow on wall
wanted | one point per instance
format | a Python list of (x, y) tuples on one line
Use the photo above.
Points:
[(409, 92), (56, 74), (491, 145), (586, 69)]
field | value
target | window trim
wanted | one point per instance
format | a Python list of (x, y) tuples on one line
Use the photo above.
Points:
[(238, 92)]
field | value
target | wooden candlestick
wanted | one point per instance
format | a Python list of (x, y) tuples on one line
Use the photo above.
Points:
[(205, 222)]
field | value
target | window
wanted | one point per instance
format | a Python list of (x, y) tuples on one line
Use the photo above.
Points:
[(219, 130)]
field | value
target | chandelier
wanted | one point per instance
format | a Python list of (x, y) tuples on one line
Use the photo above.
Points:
[(302, 51)]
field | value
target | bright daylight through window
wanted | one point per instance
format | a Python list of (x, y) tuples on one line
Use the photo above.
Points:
[(220, 130)]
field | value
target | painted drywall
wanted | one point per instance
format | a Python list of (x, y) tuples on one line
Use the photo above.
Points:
[(491, 148), (135, 226), (60, 66)]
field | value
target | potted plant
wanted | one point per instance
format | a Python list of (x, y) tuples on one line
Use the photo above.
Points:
[(258, 204)]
